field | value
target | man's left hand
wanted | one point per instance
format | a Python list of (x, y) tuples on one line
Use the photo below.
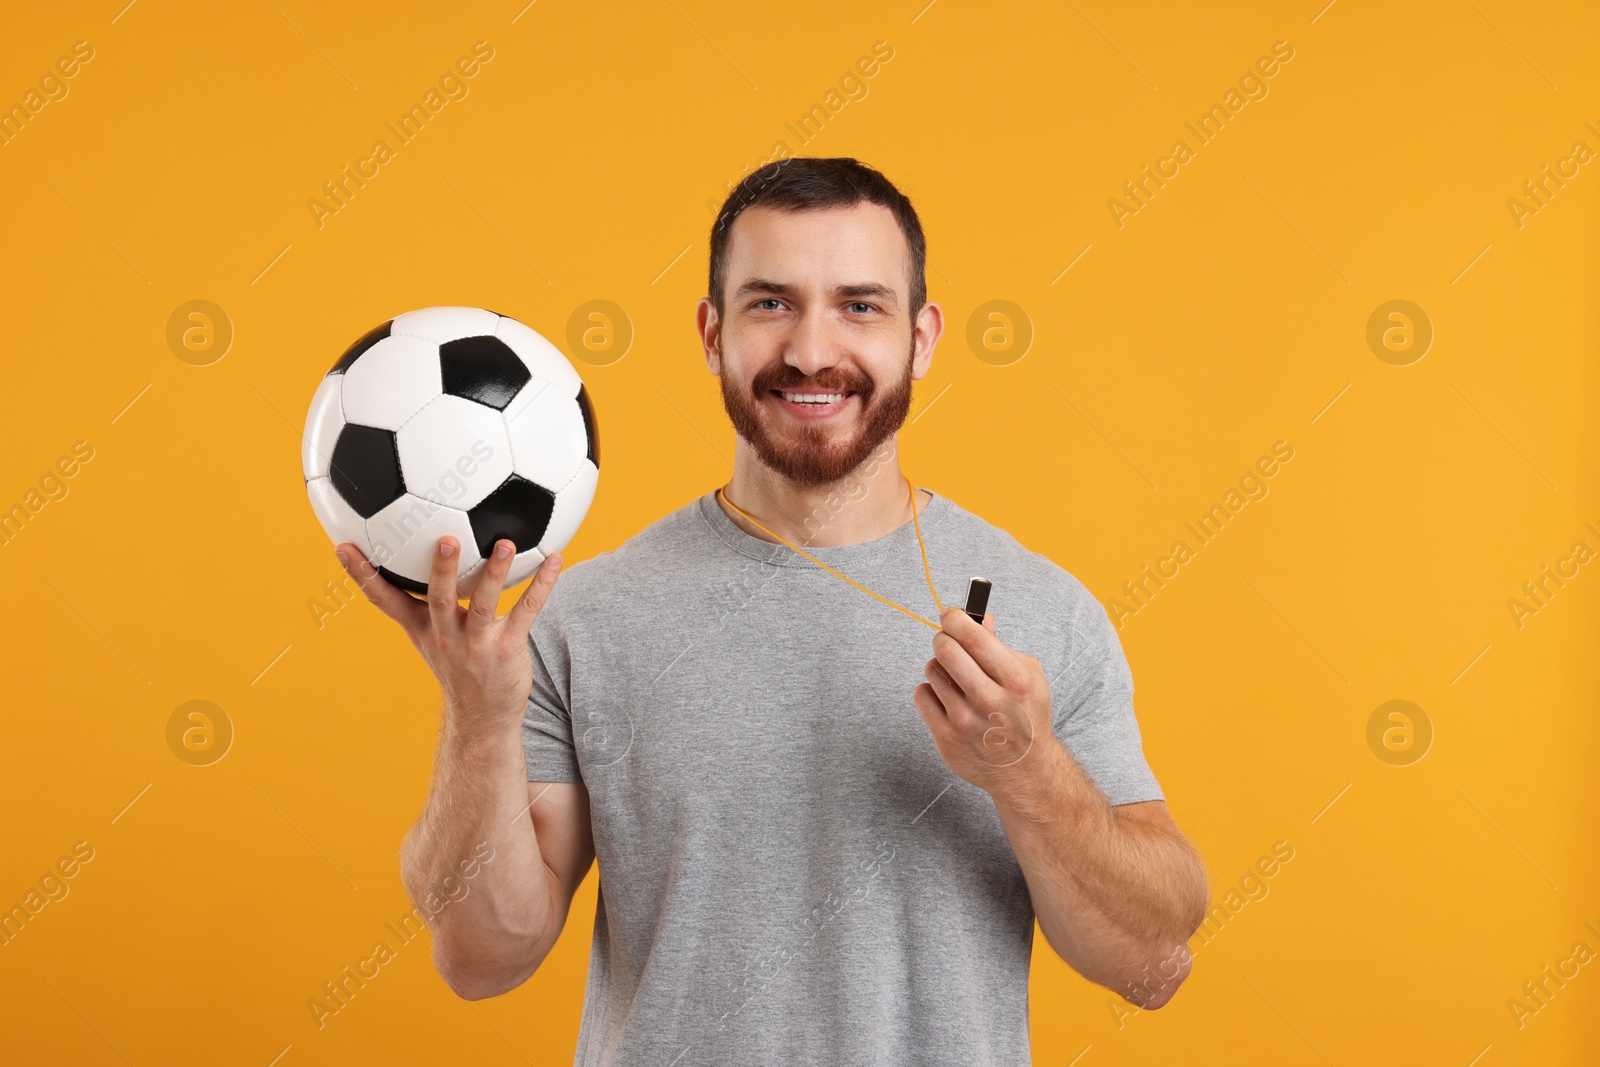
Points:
[(987, 706)]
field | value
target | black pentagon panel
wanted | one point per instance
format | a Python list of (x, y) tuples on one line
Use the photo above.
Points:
[(368, 339), (519, 511), (365, 467), (409, 584), (482, 369), (590, 429)]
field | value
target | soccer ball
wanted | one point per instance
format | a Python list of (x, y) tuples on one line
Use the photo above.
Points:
[(451, 420)]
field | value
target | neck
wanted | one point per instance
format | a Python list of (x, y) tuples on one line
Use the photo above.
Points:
[(871, 501)]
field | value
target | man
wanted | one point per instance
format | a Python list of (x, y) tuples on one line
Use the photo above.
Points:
[(825, 822)]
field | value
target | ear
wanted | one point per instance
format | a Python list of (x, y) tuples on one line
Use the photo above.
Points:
[(926, 330), (709, 326)]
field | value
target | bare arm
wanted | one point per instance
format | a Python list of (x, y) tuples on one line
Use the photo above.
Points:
[(1117, 890), (494, 860), (494, 935)]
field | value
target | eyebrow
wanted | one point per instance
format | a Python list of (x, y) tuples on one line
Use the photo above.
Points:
[(873, 289)]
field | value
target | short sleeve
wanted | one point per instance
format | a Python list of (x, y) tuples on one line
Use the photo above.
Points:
[(1092, 710), (547, 726)]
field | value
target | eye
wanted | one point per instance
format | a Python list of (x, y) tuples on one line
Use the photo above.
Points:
[(769, 300), (861, 307)]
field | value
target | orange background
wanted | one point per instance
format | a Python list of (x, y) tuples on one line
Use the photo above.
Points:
[(1230, 312)]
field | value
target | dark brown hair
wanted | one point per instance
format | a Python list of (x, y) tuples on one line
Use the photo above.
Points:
[(808, 183)]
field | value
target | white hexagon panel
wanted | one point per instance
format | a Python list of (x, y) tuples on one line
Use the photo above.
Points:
[(454, 450), (390, 382), (547, 433), (338, 518), (572, 504), (443, 324), (323, 424)]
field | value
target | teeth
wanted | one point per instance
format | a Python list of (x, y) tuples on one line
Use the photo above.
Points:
[(812, 398)]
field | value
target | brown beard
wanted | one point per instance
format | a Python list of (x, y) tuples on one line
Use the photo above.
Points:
[(806, 457)]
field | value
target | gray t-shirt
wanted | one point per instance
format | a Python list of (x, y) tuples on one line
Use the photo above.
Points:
[(789, 872)]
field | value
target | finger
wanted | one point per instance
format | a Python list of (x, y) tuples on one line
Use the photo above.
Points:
[(486, 595), (928, 706), (975, 685), (526, 609), (442, 598), (393, 601), (983, 648), (957, 708)]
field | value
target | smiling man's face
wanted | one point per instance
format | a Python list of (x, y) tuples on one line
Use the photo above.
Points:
[(815, 348)]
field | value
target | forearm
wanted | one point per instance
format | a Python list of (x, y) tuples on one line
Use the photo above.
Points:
[(492, 937), (1117, 899)]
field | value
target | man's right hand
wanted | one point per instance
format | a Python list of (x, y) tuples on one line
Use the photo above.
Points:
[(480, 660)]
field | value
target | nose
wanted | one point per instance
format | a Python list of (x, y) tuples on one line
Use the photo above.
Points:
[(811, 347)]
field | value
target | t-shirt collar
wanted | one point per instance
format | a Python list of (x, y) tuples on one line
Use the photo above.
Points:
[(899, 539)]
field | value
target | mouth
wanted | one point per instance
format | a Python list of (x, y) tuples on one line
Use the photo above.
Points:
[(813, 405)]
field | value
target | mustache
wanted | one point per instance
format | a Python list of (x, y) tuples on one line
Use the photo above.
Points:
[(833, 380)]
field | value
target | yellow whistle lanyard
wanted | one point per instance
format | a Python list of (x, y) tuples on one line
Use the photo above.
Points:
[(915, 525)]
